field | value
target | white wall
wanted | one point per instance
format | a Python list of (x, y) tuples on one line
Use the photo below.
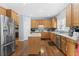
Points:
[(21, 28), (24, 28), (61, 21)]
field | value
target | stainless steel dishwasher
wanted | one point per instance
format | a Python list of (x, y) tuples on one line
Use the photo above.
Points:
[(58, 37)]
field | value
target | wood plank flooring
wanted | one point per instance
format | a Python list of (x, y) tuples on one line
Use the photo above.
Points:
[(50, 49)]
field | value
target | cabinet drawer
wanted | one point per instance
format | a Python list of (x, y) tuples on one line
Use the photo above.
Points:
[(45, 35), (70, 48)]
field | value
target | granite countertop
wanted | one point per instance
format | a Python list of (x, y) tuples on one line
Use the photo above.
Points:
[(58, 33), (66, 35)]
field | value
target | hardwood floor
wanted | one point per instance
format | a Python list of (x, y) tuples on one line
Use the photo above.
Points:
[(49, 49)]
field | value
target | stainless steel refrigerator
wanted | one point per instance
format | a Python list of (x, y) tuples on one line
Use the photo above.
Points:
[(7, 35)]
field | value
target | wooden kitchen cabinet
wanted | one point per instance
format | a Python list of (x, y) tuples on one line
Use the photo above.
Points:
[(75, 14), (70, 47), (34, 24), (34, 45), (69, 15), (53, 37), (13, 15), (54, 22), (63, 44), (2, 11), (45, 35), (46, 23), (72, 15)]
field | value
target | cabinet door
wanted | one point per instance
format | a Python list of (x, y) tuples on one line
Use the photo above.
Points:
[(45, 35), (34, 24), (69, 15), (13, 15), (54, 22), (2, 11), (75, 14), (63, 44), (46, 23), (70, 48), (34, 45), (53, 38), (17, 20)]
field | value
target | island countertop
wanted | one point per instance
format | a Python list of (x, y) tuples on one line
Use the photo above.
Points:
[(35, 35)]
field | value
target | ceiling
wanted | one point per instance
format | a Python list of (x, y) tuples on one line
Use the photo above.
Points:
[(36, 9)]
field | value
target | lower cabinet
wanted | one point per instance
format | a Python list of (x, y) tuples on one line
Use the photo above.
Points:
[(53, 38), (70, 48), (34, 45), (63, 44), (45, 35), (66, 45)]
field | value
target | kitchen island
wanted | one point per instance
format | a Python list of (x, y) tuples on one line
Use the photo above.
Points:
[(34, 42)]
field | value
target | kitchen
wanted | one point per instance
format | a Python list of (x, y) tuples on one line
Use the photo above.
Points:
[(42, 29)]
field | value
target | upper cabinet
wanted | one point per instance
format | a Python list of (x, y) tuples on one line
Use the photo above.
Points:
[(36, 23), (54, 22), (2, 11), (10, 13), (50, 23), (72, 15), (46, 23), (75, 14), (13, 15), (69, 15)]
